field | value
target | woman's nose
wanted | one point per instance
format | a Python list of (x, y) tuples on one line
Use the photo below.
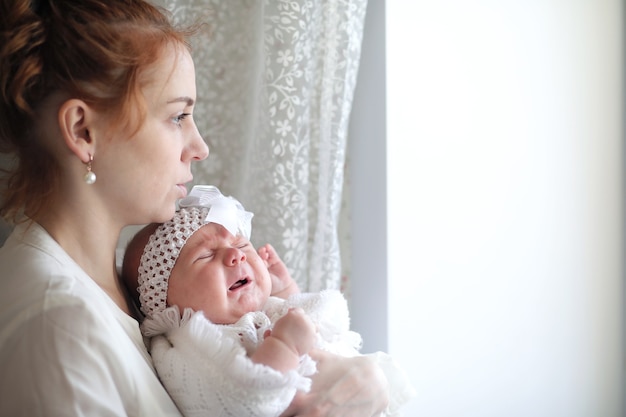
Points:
[(197, 149), (234, 257)]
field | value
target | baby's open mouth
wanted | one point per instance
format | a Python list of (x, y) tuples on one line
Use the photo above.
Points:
[(239, 284)]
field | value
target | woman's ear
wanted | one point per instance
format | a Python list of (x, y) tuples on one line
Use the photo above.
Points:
[(75, 121)]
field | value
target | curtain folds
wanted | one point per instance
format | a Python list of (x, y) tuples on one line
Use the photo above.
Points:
[(275, 86)]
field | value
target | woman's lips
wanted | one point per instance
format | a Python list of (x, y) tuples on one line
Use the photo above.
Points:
[(183, 190)]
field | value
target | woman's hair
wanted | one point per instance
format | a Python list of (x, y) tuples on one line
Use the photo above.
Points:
[(93, 50)]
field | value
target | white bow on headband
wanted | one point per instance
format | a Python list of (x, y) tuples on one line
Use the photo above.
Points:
[(223, 210)]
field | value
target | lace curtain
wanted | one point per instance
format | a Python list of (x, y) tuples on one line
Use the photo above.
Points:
[(275, 85)]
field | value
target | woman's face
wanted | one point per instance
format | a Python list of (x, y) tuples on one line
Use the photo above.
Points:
[(219, 274), (145, 174)]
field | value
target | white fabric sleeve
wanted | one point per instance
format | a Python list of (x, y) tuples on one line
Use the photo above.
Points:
[(328, 309), (400, 388), (208, 373), (71, 361)]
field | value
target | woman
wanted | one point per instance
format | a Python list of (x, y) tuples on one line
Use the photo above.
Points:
[(96, 103)]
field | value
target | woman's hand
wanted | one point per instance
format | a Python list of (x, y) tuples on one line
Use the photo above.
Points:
[(342, 387)]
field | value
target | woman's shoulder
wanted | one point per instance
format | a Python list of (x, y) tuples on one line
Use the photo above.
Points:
[(31, 251), (43, 288), (63, 335), (37, 274), (49, 306)]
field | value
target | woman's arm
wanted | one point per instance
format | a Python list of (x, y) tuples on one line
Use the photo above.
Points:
[(347, 387)]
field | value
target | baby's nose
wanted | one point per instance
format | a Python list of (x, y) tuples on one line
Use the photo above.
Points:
[(235, 256)]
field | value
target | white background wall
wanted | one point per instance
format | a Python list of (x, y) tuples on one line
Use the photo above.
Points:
[(502, 236)]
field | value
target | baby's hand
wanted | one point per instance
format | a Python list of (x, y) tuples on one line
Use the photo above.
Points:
[(283, 285), (296, 330)]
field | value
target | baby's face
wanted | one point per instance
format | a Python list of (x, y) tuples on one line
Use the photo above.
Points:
[(219, 274)]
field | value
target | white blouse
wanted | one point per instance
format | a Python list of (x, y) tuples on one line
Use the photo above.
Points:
[(66, 349)]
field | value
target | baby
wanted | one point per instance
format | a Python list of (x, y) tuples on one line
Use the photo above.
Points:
[(230, 331)]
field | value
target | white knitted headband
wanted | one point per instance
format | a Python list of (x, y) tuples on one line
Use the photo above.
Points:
[(204, 204)]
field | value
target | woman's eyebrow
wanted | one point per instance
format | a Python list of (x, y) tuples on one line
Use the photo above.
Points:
[(183, 99)]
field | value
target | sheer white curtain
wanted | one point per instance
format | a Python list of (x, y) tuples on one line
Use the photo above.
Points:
[(275, 85)]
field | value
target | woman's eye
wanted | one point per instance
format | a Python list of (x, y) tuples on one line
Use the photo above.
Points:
[(179, 119)]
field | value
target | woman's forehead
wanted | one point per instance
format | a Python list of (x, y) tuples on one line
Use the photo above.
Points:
[(172, 76)]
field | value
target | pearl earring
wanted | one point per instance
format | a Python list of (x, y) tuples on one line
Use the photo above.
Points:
[(90, 176)]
